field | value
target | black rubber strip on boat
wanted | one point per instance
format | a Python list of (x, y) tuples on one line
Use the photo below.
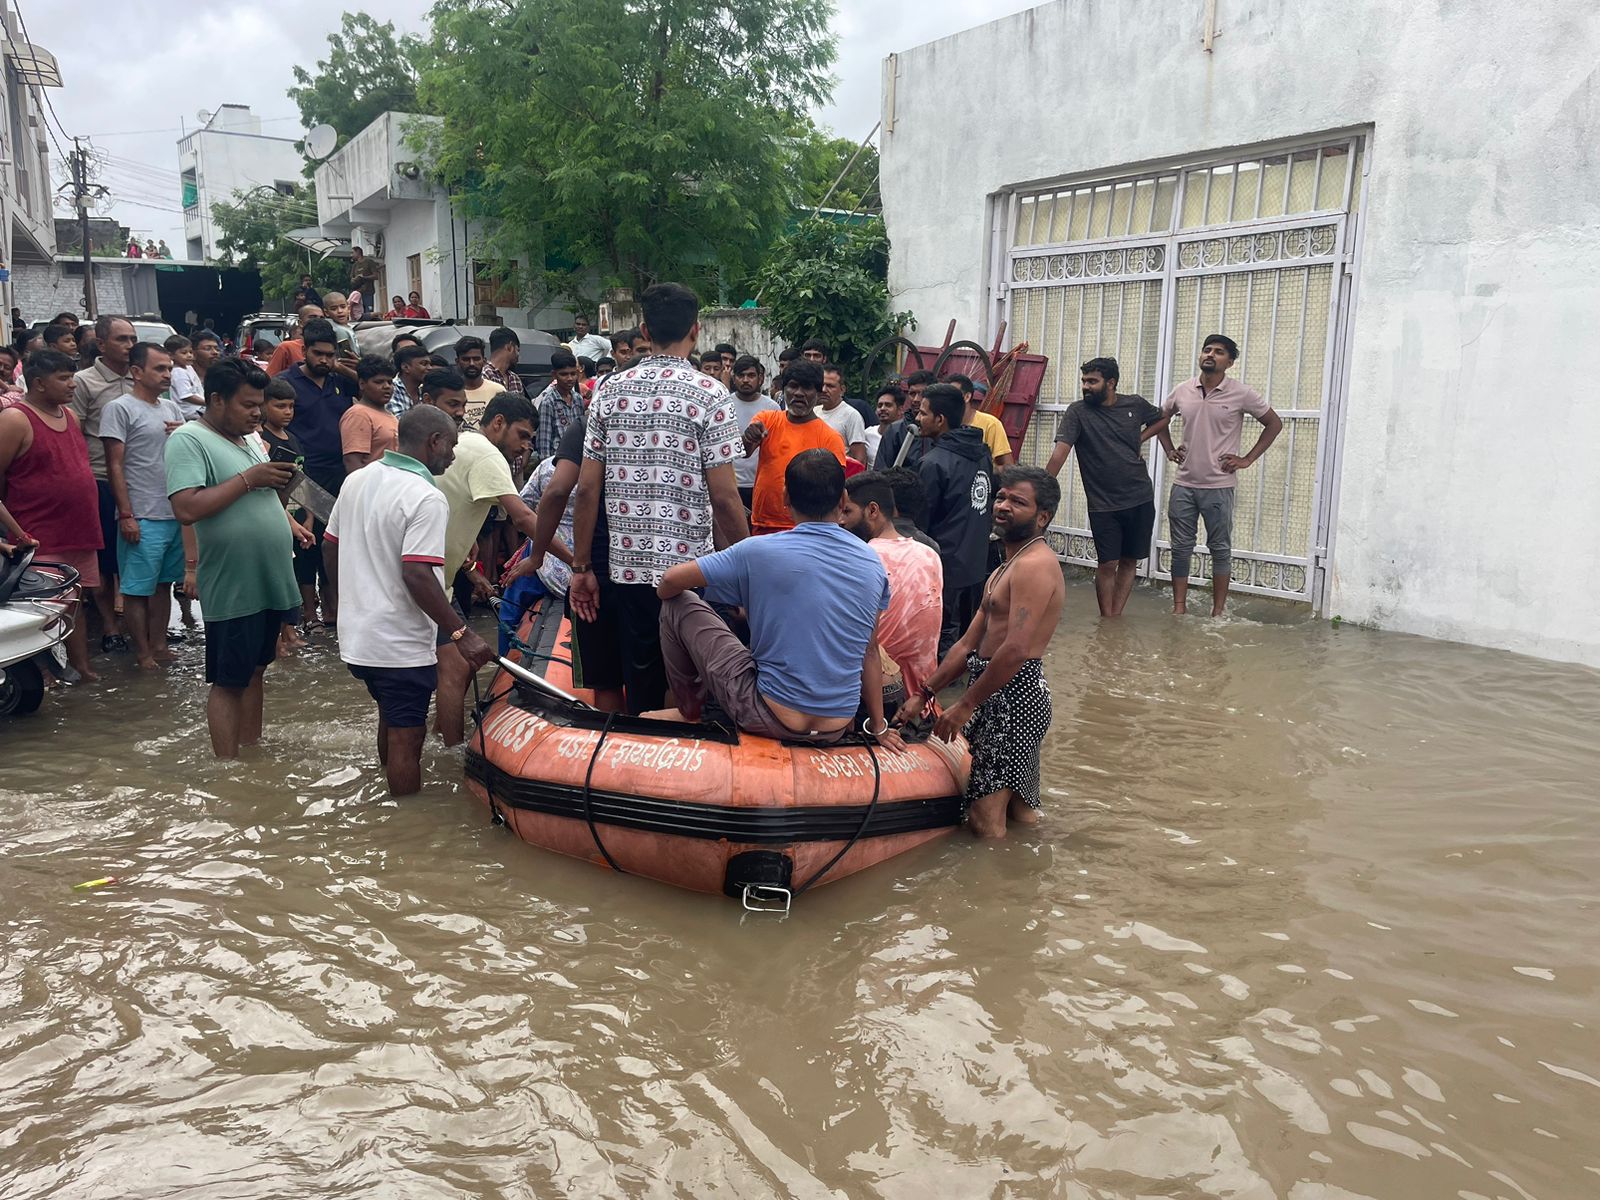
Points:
[(715, 822)]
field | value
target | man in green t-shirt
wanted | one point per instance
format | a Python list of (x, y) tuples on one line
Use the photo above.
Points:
[(221, 483)]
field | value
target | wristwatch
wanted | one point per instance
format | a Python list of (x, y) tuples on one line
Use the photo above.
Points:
[(586, 569)]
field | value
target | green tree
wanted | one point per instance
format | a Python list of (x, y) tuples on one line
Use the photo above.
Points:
[(250, 235), (824, 159), (828, 280), (639, 139), (367, 73)]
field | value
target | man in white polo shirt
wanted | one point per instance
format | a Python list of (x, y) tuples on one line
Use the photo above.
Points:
[(385, 554)]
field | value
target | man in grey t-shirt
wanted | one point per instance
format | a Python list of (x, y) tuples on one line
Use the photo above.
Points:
[(150, 542), (1108, 431)]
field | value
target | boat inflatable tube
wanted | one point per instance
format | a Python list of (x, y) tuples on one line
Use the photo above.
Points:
[(697, 805)]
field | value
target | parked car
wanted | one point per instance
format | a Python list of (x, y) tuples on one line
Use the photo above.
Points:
[(270, 328), (152, 329), (533, 366), (35, 602)]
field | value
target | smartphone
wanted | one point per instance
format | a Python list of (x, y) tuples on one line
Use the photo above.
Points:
[(279, 453)]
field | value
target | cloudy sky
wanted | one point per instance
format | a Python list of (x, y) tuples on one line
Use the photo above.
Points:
[(173, 60)]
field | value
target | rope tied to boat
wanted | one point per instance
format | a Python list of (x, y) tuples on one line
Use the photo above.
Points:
[(877, 789), (588, 793)]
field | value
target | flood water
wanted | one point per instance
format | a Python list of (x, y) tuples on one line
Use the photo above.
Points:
[(1312, 914)]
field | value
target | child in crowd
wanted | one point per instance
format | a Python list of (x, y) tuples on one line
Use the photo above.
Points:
[(368, 428), (277, 410)]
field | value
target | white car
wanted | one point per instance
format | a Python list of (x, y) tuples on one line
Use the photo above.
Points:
[(36, 604)]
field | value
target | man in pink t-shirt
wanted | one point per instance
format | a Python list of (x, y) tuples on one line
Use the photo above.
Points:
[(908, 631), (1212, 408)]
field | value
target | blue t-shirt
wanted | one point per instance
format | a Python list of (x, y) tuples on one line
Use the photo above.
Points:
[(813, 594)]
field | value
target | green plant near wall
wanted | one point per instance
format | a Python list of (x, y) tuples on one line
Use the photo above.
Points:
[(827, 280)]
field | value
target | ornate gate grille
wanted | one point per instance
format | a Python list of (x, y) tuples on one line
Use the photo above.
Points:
[(1142, 268)]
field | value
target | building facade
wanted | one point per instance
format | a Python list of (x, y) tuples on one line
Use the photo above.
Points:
[(27, 229), (1397, 229), (377, 192), (227, 155)]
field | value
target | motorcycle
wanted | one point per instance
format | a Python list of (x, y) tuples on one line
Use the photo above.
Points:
[(37, 601)]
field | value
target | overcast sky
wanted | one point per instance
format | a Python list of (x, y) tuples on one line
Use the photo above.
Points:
[(184, 58)]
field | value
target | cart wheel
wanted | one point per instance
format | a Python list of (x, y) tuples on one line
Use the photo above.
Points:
[(949, 352), (869, 377)]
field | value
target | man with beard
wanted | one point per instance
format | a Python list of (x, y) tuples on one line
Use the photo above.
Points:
[(1108, 431), (777, 435), (1213, 408), (1005, 710), (902, 444), (841, 417), (959, 477), (749, 398), (444, 389), (470, 361), (321, 398), (908, 631)]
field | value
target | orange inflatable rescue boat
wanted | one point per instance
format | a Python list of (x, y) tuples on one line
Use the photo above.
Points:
[(700, 806)]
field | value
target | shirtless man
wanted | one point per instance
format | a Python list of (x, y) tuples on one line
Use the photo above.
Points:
[(1006, 708)]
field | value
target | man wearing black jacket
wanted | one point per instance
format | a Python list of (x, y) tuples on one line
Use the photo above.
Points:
[(957, 473)]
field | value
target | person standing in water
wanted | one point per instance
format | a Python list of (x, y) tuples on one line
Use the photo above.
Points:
[(1006, 708)]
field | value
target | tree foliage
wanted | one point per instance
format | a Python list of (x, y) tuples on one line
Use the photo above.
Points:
[(644, 139), (824, 159), (250, 235), (827, 280), (367, 73)]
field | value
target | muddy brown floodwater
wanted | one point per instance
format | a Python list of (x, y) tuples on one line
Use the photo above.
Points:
[(1312, 914)]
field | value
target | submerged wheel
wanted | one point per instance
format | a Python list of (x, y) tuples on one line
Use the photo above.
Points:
[(22, 690), (983, 360)]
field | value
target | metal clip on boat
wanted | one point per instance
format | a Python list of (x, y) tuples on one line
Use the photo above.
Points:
[(766, 897)]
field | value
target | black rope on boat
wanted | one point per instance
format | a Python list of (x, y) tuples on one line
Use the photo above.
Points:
[(877, 788), (588, 794), (479, 707)]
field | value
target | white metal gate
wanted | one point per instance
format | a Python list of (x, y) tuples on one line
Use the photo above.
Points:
[(1142, 268)]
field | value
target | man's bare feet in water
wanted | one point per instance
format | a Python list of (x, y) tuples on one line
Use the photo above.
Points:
[(1018, 813)]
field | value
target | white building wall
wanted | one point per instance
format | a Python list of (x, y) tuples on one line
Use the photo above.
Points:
[(1469, 439), (231, 156), (42, 290)]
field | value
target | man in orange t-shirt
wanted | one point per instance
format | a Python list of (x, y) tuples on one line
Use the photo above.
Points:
[(778, 435)]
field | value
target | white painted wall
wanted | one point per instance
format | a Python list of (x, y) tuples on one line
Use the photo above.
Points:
[(232, 155), (1469, 491)]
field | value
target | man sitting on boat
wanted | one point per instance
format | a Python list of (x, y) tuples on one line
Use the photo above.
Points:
[(813, 595)]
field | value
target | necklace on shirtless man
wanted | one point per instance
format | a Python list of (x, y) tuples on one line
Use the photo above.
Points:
[(1006, 566)]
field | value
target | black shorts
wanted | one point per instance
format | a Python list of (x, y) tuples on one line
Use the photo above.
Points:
[(1124, 533), (596, 648), (239, 647), (402, 693), (108, 531), (308, 568)]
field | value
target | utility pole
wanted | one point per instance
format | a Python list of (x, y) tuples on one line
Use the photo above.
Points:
[(78, 161)]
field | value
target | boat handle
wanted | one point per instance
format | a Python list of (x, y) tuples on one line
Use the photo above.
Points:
[(766, 897)]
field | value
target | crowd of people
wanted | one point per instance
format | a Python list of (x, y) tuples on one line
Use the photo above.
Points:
[(804, 564)]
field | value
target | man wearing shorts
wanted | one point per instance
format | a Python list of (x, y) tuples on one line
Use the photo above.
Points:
[(220, 482), (385, 550), (150, 547), (1212, 408), (1108, 431), (1006, 708)]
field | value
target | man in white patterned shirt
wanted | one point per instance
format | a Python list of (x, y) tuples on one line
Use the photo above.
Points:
[(661, 445)]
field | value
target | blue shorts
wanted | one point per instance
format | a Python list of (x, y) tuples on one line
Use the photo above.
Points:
[(402, 693), (157, 558)]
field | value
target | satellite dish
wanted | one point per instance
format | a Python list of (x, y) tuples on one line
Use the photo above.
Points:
[(204, 114), (321, 140)]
